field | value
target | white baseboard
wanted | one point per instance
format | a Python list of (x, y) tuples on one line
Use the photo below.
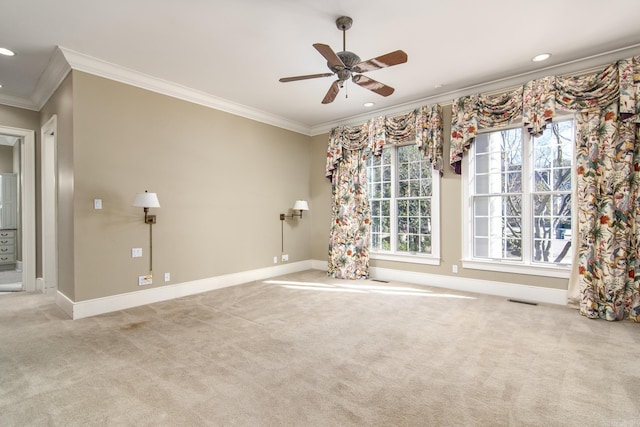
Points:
[(489, 287), (316, 264), (93, 307), (39, 284)]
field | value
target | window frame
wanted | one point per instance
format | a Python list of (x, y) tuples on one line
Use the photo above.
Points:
[(416, 258), (526, 265)]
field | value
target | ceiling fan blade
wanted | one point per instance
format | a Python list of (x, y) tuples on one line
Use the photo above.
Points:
[(372, 85), (308, 76), (388, 60), (332, 93), (329, 55)]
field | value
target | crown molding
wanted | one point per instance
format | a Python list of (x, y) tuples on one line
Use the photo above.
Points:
[(98, 67), (14, 101), (56, 71), (576, 66)]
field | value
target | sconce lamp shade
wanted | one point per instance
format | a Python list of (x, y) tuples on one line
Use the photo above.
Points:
[(301, 205), (146, 200)]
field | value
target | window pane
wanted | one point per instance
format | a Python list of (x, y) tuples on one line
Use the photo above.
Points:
[(386, 225), (414, 211), (482, 163), (542, 180), (482, 184), (562, 179), (408, 185), (386, 190), (551, 203)]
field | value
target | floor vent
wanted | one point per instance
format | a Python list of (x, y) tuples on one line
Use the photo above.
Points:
[(523, 302), (378, 280)]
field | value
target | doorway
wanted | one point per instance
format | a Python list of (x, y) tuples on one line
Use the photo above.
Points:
[(10, 235), (22, 238)]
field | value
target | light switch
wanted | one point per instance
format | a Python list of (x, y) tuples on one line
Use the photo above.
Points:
[(136, 252), (97, 203)]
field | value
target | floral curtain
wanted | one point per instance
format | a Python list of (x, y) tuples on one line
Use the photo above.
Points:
[(607, 161), (346, 168), (486, 111), (349, 235)]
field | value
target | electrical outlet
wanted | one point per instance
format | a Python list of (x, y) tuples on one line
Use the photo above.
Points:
[(285, 257), (136, 252), (455, 268), (145, 280), (167, 277), (275, 259), (97, 203)]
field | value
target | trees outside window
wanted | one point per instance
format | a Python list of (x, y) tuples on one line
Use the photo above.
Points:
[(403, 189), (520, 195)]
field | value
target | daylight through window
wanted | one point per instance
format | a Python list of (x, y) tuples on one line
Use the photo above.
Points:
[(519, 200)]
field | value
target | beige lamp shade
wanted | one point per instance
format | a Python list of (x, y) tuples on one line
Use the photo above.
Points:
[(301, 205), (146, 200)]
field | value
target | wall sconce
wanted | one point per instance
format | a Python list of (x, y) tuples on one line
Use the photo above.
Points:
[(148, 200), (299, 205)]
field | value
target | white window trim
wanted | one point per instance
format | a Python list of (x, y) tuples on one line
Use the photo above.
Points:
[(505, 266), (429, 259)]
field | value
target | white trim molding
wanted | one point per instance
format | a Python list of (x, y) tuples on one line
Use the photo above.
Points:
[(97, 67), (94, 307), (488, 287), (53, 75)]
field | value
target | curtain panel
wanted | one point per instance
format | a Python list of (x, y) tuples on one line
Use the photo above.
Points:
[(607, 158), (347, 152)]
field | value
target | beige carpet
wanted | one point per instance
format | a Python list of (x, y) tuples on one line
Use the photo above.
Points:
[(304, 350)]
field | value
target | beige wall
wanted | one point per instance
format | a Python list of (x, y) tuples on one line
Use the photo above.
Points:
[(19, 118), (450, 223), (222, 181)]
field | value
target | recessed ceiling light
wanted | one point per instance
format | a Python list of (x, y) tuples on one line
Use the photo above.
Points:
[(369, 104), (5, 51), (437, 86), (541, 57)]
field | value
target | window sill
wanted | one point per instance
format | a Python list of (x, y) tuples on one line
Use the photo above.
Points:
[(510, 267), (413, 259)]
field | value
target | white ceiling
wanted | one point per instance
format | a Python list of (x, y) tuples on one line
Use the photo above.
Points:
[(236, 51)]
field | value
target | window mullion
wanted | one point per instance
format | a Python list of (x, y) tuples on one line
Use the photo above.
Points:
[(393, 203), (527, 204)]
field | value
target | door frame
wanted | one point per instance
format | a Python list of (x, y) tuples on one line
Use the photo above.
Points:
[(49, 206), (28, 202)]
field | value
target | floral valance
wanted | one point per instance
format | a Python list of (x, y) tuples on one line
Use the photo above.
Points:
[(422, 125), (535, 103)]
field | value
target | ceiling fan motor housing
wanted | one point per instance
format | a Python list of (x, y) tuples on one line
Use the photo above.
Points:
[(349, 59)]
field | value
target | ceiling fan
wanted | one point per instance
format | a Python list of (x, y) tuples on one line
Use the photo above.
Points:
[(344, 64)]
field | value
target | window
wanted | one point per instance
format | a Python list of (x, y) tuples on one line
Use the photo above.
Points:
[(518, 200), (403, 195)]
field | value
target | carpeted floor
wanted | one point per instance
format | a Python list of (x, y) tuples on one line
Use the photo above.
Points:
[(304, 350)]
